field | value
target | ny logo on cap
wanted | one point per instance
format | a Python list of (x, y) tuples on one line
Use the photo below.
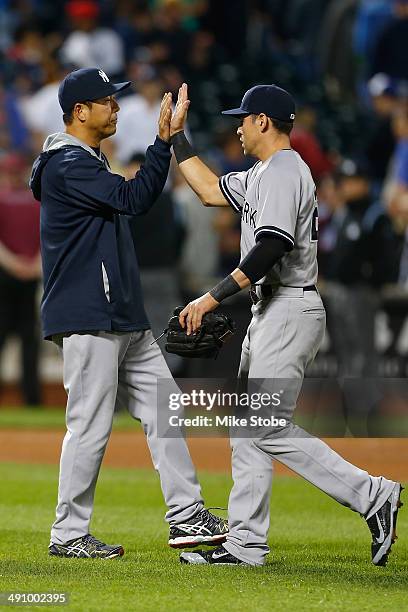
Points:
[(103, 76), (292, 115)]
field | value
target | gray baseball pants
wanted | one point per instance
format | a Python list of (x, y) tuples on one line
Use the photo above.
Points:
[(282, 339), (100, 369)]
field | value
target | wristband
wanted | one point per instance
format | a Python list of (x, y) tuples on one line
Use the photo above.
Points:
[(225, 288), (181, 147)]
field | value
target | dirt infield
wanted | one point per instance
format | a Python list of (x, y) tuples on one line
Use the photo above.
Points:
[(387, 456)]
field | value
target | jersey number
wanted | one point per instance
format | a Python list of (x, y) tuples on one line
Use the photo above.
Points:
[(314, 230)]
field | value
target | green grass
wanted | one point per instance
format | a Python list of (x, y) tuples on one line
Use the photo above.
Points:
[(51, 418), (319, 561)]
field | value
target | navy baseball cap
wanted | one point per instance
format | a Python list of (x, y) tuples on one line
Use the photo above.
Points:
[(275, 102), (86, 84)]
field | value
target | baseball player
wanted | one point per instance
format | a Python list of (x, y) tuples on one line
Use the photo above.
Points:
[(92, 307), (276, 200)]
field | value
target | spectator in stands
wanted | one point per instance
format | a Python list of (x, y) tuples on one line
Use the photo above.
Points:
[(381, 142), (229, 26), (396, 189), (331, 212), (304, 140), (335, 52), (25, 54), (20, 269), (362, 260), (14, 135), (261, 39), (90, 44), (391, 51), (371, 19), (200, 241), (204, 57), (228, 227), (172, 37), (41, 110), (135, 25), (137, 127), (189, 12), (158, 240), (228, 155), (301, 20)]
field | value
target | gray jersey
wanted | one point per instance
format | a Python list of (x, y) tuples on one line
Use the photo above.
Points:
[(277, 197)]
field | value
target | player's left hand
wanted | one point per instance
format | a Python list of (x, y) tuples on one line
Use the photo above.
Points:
[(179, 117), (165, 117), (193, 313)]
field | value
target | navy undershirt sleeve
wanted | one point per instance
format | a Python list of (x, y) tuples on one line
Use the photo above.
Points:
[(262, 257)]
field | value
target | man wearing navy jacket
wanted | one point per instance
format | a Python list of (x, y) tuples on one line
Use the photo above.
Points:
[(93, 308)]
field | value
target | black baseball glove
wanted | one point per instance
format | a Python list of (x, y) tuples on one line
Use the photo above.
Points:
[(206, 342)]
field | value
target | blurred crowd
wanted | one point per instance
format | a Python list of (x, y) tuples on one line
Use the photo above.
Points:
[(345, 63)]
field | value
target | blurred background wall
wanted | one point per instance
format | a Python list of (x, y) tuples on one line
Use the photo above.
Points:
[(345, 61)]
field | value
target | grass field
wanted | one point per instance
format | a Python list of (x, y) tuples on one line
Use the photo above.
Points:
[(320, 552), (54, 418), (51, 418)]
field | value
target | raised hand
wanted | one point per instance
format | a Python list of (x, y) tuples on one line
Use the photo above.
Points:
[(165, 117), (180, 112)]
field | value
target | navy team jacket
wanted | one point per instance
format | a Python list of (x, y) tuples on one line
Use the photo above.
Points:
[(91, 275)]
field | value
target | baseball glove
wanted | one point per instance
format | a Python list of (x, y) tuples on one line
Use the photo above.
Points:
[(206, 342)]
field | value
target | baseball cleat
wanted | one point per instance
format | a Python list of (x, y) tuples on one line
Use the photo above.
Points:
[(218, 556), (382, 525), (86, 547), (203, 528)]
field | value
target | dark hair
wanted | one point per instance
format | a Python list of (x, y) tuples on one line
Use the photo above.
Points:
[(68, 118), (282, 126), (285, 127)]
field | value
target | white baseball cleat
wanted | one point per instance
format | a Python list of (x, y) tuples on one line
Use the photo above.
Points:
[(218, 556)]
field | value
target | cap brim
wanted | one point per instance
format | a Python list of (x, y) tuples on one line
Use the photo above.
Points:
[(235, 112), (119, 86), (110, 89)]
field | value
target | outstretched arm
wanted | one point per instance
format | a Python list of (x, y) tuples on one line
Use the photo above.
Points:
[(93, 187), (199, 176)]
